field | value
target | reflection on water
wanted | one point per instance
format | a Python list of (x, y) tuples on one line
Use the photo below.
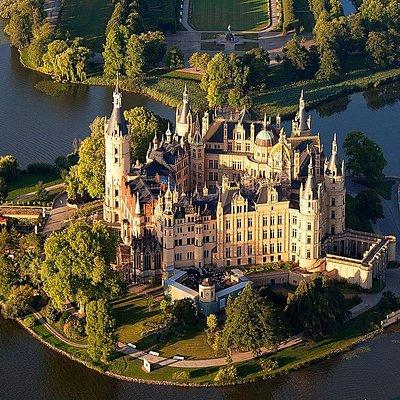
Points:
[(332, 107), (381, 96)]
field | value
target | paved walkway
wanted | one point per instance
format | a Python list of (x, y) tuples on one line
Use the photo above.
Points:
[(52, 188), (211, 362), (57, 334)]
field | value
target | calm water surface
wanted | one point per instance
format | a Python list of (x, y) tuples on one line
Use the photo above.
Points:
[(37, 127)]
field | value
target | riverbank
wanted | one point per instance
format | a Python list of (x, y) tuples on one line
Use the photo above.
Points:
[(125, 368), (166, 87)]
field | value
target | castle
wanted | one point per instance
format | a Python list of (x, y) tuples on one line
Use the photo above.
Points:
[(230, 191)]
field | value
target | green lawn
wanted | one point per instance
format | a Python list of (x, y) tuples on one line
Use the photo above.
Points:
[(214, 15), (133, 317), (26, 183), (86, 18)]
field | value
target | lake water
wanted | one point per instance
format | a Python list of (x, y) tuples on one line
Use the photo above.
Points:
[(36, 127)]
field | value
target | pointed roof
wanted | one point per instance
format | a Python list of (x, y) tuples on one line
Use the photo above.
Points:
[(137, 205), (302, 115), (197, 138), (185, 107), (332, 165), (116, 124), (311, 184)]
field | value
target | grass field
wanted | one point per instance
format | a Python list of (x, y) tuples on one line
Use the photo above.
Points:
[(26, 183), (86, 18), (213, 15)]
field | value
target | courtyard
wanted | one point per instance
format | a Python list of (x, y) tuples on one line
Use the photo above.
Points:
[(216, 15)]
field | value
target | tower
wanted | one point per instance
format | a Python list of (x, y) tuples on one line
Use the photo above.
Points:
[(197, 157), (334, 175), (168, 231), (309, 220), (118, 161)]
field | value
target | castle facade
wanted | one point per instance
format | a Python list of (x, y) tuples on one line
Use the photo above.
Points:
[(230, 191)]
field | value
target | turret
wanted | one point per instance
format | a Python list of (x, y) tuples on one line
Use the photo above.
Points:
[(137, 219), (168, 134), (199, 244), (117, 157), (184, 116), (205, 123), (301, 125), (156, 141)]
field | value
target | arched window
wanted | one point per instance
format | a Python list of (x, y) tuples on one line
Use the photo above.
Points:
[(157, 261), (147, 261)]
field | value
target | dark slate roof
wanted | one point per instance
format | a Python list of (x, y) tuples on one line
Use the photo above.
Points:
[(148, 189), (217, 130), (117, 124), (154, 167)]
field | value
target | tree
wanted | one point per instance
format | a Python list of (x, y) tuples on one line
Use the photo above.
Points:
[(100, 329), (249, 322), (155, 47), (257, 61), (143, 123), (199, 60), (25, 16), (174, 58), (317, 307), (3, 190), (8, 168), (329, 65), (41, 193), (77, 265), (211, 329), (88, 174), (42, 36), (184, 312), (18, 302), (8, 277), (134, 59), (369, 205), (383, 48), (114, 52), (226, 374), (365, 157), (298, 61)]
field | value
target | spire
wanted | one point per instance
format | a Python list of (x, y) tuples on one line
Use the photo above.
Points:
[(168, 197), (116, 125), (185, 108), (310, 186), (197, 138), (168, 134), (185, 94), (302, 116), (265, 122), (156, 142), (332, 166), (137, 206)]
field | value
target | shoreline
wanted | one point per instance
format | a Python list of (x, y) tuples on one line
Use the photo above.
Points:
[(332, 353), (371, 80)]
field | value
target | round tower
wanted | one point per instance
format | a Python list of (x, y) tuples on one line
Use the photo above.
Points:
[(118, 160)]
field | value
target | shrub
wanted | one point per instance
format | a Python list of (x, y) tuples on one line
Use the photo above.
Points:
[(267, 365), (74, 328), (181, 376), (29, 321), (226, 375)]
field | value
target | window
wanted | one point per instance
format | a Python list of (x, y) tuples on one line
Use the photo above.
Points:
[(250, 235), (333, 201), (228, 225), (147, 261), (280, 218), (115, 150), (265, 249), (271, 248), (265, 221), (239, 147), (239, 223), (228, 238), (308, 239), (116, 193), (239, 236), (294, 232), (178, 257), (333, 215), (271, 234), (294, 247), (294, 220), (265, 234), (279, 247), (279, 232), (309, 226), (308, 254), (247, 147), (250, 222), (272, 220), (227, 252), (249, 249), (238, 251)]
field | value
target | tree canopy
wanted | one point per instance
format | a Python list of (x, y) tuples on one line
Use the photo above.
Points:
[(317, 307), (77, 264), (369, 205), (365, 158), (249, 322)]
